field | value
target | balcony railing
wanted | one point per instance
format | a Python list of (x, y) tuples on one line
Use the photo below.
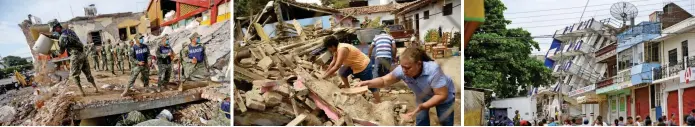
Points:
[(669, 70), (570, 68)]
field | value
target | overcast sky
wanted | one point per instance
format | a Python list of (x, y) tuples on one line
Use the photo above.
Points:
[(13, 12), (544, 17)]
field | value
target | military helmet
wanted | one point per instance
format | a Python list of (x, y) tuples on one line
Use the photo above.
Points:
[(53, 23)]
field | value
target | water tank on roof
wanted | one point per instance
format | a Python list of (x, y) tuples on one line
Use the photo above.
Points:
[(90, 10)]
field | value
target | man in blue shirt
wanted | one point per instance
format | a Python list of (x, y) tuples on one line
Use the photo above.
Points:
[(140, 53), (429, 84)]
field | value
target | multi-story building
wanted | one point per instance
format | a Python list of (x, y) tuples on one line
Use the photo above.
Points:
[(574, 61)]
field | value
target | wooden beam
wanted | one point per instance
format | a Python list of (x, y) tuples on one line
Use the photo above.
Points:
[(297, 120), (261, 32)]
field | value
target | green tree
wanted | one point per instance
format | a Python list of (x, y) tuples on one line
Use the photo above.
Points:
[(245, 8), (10, 61), (337, 4), (498, 58)]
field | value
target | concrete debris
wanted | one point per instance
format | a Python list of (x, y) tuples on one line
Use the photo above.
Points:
[(7, 114), (272, 98), (311, 104), (157, 122), (108, 87), (165, 114)]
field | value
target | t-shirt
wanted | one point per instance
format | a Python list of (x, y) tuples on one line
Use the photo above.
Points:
[(356, 60), (431, 77), (382, 44)]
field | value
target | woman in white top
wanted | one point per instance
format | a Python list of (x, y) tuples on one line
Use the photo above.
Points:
[(599, 122)]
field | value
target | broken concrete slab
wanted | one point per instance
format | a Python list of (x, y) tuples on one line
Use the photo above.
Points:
[(311, 104), (265, 63), (272, 98)]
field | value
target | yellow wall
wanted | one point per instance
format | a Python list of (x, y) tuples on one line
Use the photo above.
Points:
[(155, 12), (128, 24)]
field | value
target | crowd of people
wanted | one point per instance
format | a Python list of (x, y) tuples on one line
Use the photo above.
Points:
[(689, 120)]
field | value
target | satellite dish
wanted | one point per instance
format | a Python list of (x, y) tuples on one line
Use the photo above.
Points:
[(624, 11)]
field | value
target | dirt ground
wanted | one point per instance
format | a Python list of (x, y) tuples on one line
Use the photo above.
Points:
[(452, 68)]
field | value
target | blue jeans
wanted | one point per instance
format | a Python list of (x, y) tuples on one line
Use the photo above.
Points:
[(382, 66), (445, 118), (365, 75)]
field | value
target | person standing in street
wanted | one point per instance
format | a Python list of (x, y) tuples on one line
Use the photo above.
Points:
[(164, 55), (517, 118), (68, 41), (690, 120), (140, 56), (92, 51), (194, 58), (119, 57), (432, 88), (109, 56), (103, 56)]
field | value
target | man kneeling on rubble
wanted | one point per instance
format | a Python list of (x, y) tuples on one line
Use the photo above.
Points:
[(354, 61), (68, 41), (140, 53), (429, 84)]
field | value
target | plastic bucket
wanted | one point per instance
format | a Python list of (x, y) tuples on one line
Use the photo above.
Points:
[(43, 44)]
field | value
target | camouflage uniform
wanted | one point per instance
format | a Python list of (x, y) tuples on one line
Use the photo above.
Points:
[(119, 57), (103, 56), (109, 57), (139, 54), (69, 41), (164, 64), (188, 53), (92, 50)]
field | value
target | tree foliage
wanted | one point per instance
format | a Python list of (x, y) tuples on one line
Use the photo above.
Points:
[(498, 58), (9, 61), (245, 8)]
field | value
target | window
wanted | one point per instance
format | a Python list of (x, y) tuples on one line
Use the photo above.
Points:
[(122, 34), (684, 44), (652, 51), (447, 10), (672, 57), (426, 14), (387, 22), (133, 30)]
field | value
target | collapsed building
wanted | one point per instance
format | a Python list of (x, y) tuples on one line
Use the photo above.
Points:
[(276, 79), (54, 102)]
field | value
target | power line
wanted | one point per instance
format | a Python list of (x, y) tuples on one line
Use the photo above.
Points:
[(588, 11), (570, 7), (559, 19)]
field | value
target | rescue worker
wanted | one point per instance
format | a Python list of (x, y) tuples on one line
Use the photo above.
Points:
[(103, 55), (128, 50), (193, 56), (68, 41), (119, 57), (92, 50), (164, 55), (140, 53)]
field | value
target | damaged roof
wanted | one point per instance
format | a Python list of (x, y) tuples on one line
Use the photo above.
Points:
[(353, 11), (112, 15), (412, 6), (298, 11)]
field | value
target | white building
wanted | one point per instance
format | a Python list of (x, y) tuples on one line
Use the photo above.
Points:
[(372, 12), (525, 105), (425, 15), (577, 69)]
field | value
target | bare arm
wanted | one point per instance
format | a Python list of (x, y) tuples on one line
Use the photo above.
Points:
[(381, 82), (371, 47), (332, 61), (342, 54), (440, 95)]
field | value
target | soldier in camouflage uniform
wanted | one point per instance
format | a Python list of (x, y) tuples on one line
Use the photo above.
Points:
[(92, 50), (193, 56), (108, 51), (103, 56), (119, 57), (139, 55), (126, 51), (164, 55), (69, 41)]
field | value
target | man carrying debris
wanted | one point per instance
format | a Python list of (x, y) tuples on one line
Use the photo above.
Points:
[(109, 56), (140, 54), (355, 63), (429, 84), (194, 59), (164, 55), (119, 57), (69, 41)]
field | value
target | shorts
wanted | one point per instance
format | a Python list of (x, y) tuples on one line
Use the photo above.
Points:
[(366, 74)]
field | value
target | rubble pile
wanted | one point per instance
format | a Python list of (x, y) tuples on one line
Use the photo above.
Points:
[(279, 81)]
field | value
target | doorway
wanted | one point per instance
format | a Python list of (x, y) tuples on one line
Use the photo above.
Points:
[(96, 37)]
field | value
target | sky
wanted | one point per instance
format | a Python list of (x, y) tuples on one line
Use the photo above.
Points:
[(544, 17), (13, 12)]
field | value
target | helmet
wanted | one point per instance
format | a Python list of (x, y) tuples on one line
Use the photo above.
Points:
[(53, 23)]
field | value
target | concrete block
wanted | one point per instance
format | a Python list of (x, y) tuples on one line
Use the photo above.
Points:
[(285, 109), (247, 61), (272, 98), (325, 57), (269, 49), (257, 105), (283, 89), (311, 104), (265, 63)]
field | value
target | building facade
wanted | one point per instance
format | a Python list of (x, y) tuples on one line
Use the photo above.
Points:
[(423, 15)]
